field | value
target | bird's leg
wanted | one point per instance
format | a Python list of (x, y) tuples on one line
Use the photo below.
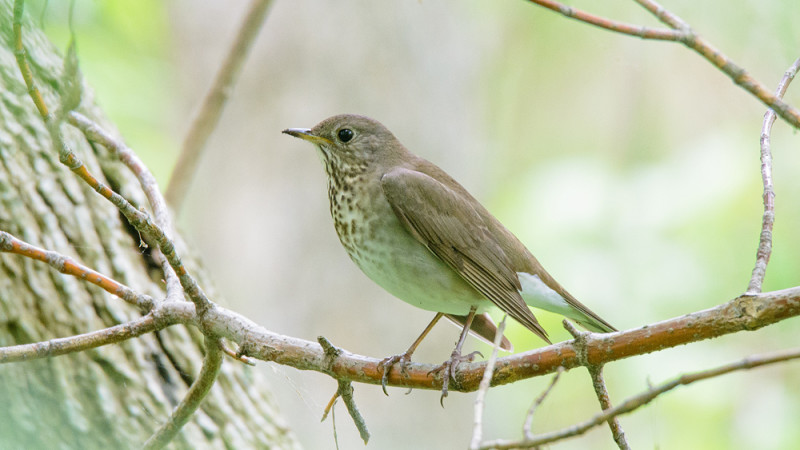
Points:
[(386, 364), (448, 368)]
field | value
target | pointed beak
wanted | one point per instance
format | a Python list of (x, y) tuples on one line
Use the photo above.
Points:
[(307, 135)]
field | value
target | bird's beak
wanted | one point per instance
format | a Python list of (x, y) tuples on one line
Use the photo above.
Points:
[(307, 135)]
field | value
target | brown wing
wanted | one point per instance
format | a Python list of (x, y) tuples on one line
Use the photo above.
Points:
[(447, 224)]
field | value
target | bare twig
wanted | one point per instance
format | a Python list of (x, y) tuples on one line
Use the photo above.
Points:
[(22, 61), (157, 319), (644, 398), (599, 384), (526, 428), (69, 266), (96, 133), (611, 25), (596, 373), (483, 388), (194, 397), (682, 32), (235, 355), (346, 392), (209, 114), (768, 219)]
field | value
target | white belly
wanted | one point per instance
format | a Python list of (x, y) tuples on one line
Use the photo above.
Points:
[(410, 272)]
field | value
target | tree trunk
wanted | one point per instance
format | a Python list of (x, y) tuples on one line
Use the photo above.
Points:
[(114, 396)]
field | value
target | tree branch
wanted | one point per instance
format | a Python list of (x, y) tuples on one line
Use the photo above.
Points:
[(69, 266), (162, 316), (748, 312), (608, 24)]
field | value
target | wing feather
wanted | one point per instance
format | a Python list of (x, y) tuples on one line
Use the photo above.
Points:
[(446, 223)]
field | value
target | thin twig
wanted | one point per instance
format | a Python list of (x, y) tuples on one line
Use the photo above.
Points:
[(768, 219), (644, 398), (235, 355), (22, 61), (153, 321), (526, 428), (345, 390), (483, 388), (67, 265), (206, 120), (329, 406), (599, 384), (608, 24), (194, 397), (161, 215)]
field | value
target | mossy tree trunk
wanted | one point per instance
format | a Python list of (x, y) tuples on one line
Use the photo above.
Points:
[(113, 396)]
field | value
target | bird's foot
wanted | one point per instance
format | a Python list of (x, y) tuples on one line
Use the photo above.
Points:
[(448, 369), (386, 364)]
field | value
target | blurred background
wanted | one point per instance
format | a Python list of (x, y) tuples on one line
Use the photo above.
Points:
[(629, 167)]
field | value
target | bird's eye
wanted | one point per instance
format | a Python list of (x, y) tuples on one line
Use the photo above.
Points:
[(345, 134)]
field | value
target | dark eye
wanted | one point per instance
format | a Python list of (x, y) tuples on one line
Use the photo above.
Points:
[(345, 134)]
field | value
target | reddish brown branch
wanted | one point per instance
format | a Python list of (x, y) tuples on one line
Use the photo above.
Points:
[(743, 313), (69, 266)]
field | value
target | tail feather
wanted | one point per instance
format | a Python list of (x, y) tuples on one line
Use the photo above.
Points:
[(483, 328)]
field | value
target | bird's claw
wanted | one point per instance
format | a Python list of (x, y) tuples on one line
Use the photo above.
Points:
[(386, 364), (448, 370)]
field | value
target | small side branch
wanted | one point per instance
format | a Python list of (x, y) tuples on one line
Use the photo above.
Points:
[(768, 218), (608, 24), (69, 266), (345, 391), (599, 385), (190, 403), (153, 321), (526, 428)]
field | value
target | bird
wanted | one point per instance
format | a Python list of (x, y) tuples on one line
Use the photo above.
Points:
[(421, 236)]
